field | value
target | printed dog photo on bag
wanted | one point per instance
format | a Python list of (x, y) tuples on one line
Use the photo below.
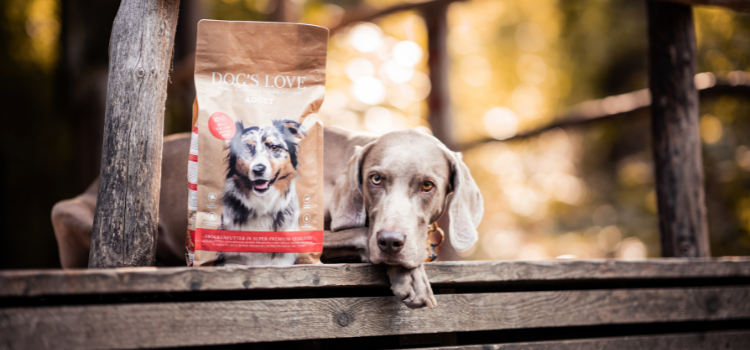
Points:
[(255, 167), (259, 192)]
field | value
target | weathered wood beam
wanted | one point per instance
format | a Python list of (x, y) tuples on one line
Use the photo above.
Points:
[(365, 13), (675, 131), (737, 83), (164, 324), (125, 222), (689, 341), (737, 5), (34, 283)]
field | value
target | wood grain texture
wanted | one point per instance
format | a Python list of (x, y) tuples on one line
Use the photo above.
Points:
[(126, 217), (28, 283), (730, 340), (226, 322), (675, 131)]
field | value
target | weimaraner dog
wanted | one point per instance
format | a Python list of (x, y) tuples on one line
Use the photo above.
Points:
[(381, 194)]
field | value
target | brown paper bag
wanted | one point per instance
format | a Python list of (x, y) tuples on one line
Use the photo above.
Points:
[(255, 176)]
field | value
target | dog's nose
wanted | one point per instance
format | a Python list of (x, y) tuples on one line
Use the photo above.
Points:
[(390, 242), (259, 169)]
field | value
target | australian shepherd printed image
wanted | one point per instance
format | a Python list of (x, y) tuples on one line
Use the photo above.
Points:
[(259, 192)]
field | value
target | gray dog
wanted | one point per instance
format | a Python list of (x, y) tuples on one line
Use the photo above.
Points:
[(397, 185), (381, 194)]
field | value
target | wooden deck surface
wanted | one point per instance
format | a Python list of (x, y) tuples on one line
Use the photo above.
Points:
[(172, 307), (150, 279)]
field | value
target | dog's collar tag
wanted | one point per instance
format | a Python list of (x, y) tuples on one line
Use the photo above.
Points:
[(432, 244)]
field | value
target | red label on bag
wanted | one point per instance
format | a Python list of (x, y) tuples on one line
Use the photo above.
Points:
[(190, 240), (258, 241), (221, 126)]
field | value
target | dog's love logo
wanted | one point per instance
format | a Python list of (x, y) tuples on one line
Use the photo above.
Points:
[(221, 126)]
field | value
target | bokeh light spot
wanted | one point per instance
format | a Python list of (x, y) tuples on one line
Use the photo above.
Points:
[(368, 90), (359, 67), (396, 72), (631, 248), (407, 53), (378, 120), (366, 37), (501, 123), (711, 130)]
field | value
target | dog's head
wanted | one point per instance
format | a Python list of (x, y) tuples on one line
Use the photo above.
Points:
[(401, 183), (262, 158)]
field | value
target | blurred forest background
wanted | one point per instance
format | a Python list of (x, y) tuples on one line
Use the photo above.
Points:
[(514, 68)]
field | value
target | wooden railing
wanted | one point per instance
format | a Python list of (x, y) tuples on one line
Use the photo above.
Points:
[(350, 306)]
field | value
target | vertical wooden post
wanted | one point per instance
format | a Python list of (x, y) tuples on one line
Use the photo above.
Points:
[(675, 130), (126, 218), (439, 100)]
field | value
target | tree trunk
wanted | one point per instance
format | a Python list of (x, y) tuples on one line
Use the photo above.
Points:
[(675, 131), (125, 222), (439, 100)]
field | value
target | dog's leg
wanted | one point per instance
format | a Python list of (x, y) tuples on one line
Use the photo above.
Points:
[(412, 286)]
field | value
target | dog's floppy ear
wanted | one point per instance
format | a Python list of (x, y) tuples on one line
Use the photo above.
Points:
[(294, 128), (235, 143), (293, 133), (347, 204), (465, 206)]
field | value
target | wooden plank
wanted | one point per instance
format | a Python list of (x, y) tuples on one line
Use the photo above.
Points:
[(675, 131), (729, 340), (226, 322), (26, 283), (737, 5), (126, 216), (567, 270)]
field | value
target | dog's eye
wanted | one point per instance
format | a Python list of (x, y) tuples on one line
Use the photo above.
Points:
[(274, 148), (376, 179), (427, 186)]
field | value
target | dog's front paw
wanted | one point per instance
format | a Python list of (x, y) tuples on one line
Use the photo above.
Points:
[(411, 286)]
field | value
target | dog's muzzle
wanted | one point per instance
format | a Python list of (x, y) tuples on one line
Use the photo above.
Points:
[(261, 185)]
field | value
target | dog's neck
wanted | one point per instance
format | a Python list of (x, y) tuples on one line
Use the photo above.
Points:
[(271, 212)]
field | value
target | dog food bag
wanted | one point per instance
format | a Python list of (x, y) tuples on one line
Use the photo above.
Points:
[(255, 176)]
